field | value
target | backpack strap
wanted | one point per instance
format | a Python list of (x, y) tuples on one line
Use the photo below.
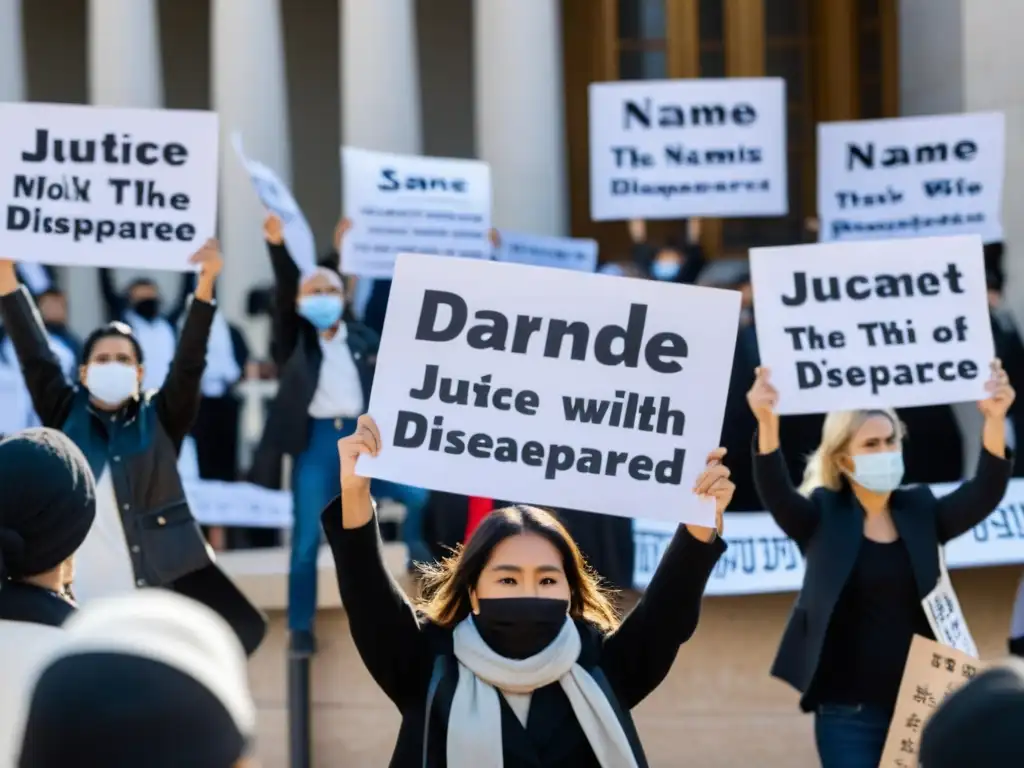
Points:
[(435, 682)]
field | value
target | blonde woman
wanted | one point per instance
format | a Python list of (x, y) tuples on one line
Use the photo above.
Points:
[(872, 554)]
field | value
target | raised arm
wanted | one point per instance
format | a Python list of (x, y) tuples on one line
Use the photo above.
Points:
[(113, 300), (50, 391), (286, 291), (177, 402)]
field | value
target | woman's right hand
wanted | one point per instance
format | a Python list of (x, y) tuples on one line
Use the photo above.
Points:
[(273, 229), (365, 440), (763, 397)]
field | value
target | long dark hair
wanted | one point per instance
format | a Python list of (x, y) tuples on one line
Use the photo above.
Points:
[(445, 588)]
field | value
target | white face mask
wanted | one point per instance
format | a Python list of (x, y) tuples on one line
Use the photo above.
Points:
[(878, 472), (112, 383)]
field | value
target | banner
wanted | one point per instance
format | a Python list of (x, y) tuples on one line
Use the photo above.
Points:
[(894, 323), (912, 177), (611, 404), (238, 504), (762, 559), (98, 186), (664, 149), (412, 204), (540, 251)]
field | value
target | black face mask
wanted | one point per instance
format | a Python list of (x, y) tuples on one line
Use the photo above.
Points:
[(147, 309), (520, 627)]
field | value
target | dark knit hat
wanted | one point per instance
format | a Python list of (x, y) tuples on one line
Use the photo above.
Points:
[(47, 501), (148, 679), (980, 724)]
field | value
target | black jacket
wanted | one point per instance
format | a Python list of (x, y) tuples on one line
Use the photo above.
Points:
[(140, 444), (400, 652), (298, 357), (27, 603), (828, 527)]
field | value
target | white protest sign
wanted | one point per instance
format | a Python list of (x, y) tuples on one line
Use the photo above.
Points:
[(551, 387), (540, 251), (942, 609), (413, 204), (98, 186), (662, 149), (894, 323), (238, 504), (278, 199), (912, 177)]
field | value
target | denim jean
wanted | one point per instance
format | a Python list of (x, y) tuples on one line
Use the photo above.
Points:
[(315, 481), (850, 735)]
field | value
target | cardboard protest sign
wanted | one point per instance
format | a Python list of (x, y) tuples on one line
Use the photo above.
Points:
[(912, 177), (108, 187), (896, 323), (412, 204), (933, 672), (662, 149), (278, 199), (552, 387), (540, 251)]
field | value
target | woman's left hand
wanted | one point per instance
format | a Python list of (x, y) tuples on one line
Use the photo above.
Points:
[(209, 260), (1001, 394), (714, 482)]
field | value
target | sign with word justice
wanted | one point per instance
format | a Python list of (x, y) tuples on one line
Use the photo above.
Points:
[(278, 200), (541, 251), (663, 149), (893, 323), (912, 177), (412, 204), (97, 186), (490, 383)]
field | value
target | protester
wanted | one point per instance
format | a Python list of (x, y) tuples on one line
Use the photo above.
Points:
[(150, 679), (514, 616), (326, 362), (979, 724), (144, 533), (46, 507), (872, 554), (676, 260)]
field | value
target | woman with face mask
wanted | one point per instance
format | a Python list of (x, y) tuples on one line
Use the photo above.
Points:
[(514, 656), (872, 554)]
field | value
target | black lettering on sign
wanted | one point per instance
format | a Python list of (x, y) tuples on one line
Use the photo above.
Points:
[(393, 181), (883, 286), (644, 113), (899, 155), (811, 375), (109, 149)]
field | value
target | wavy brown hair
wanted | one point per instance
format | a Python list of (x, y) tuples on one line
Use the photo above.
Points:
[(444, 596)]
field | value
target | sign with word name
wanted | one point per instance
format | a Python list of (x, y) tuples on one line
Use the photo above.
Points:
[(762, 559), (412, 204), (933, 673), (98, 186), (278, 200), (912, 177), (945, 617), (664, 149), (490, 383), (540, 251), (894, 323)]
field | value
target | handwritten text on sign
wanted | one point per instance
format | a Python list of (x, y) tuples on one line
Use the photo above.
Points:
[(411, 204), (896, 323), (106, 187), (911, 177), (551, 387), (661, 149)]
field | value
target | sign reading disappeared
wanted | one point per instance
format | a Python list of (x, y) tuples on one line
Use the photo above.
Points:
[(97, 186), (896, 323), (552, 386)]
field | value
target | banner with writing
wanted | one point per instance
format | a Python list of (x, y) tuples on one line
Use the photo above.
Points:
[(664, 149), (762, 559), (412, 204), (912, 177), (489, 383), (99, 186), (541, 251), (893, 323)]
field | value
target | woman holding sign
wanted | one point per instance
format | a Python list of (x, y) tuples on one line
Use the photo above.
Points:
[(872, 552), (514, 656)]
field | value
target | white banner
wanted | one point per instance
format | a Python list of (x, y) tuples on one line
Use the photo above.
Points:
[(479, 390), (894, 323), (579, 254), (238, 504), (278, 199), (664, 149), (762, 559), (98, 186), (912, 177), (412, 204)]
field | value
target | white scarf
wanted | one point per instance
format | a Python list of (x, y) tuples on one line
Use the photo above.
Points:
[(474, 724), (158, 344)]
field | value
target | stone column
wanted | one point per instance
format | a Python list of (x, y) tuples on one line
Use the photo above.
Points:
[(12, 52)]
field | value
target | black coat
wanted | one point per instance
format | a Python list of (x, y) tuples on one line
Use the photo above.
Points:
[(400, 652), (828, 527)]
